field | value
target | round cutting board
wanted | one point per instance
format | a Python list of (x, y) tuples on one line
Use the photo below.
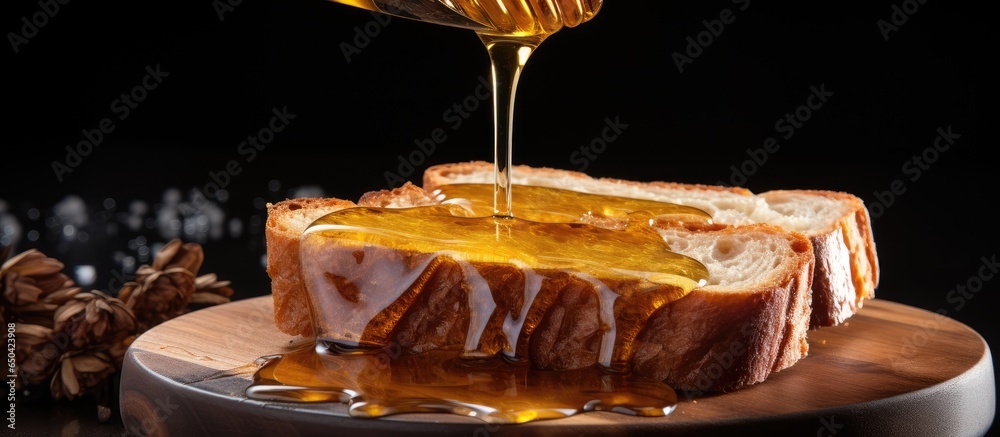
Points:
[(891, 369)]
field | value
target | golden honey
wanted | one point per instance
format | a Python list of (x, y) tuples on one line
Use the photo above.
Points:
[(518, 18), (555, 205), (447, 308), (379, 382)]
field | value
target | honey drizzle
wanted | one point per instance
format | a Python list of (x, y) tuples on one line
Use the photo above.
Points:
[(556, 205), (406, 243), (389, 344), (481, 306), (606, 299)]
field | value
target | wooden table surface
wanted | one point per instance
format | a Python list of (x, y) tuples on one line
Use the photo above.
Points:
[(891, 370)]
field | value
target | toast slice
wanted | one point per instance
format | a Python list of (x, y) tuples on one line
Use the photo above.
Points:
[(837, 224), (286, 221), (749, 320)]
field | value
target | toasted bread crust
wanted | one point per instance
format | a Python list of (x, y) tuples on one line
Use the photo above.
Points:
[(847, 270), (286, 220), (846, 265), (405, 196), (722, 341)]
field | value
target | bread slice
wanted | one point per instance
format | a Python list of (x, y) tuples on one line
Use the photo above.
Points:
[(751, 318), (286, 221), (837, 224)]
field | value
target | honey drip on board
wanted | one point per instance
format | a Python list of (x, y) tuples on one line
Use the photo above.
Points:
[(442, 308), (380, 382)]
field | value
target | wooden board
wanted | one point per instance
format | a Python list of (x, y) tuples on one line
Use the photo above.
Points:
[(891, 369)]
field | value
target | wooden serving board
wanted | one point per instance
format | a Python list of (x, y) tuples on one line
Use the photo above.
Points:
[(892, 369)]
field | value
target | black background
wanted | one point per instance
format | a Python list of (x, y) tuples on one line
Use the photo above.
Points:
[(353, 119)]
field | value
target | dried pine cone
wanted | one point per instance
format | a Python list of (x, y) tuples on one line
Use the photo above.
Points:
[(117, 351), (93, 319), (88, 326), (80, 372), (75, 340), (208, 291), (36, 353), (43, 312), (163, 290), (33, 286)]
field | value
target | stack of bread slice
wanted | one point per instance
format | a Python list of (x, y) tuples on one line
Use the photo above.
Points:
[(779, 263)]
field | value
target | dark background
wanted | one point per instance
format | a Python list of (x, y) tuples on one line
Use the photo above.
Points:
[(354, 119)]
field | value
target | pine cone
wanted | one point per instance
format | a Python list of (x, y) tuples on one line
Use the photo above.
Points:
[(208, 291), (36, 353), (43, 312), (117, 351), (33, 286), (93, 319), (79, 373), (162, 291), (76, 340)]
